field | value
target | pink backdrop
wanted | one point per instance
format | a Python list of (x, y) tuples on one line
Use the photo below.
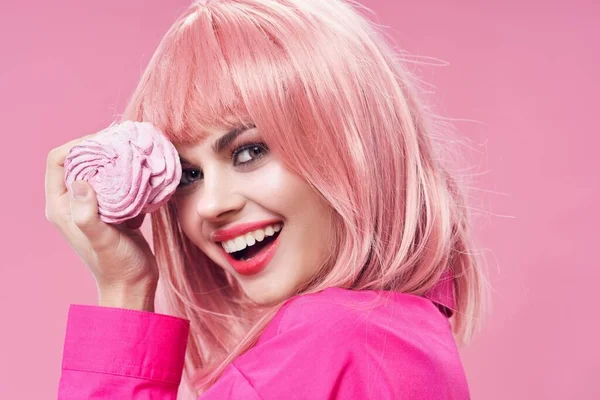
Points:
[(526, 72)]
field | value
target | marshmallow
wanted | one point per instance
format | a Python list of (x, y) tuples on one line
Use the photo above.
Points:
[(132, 166)]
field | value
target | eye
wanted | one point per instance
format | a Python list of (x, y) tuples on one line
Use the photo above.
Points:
[(189, 176), (249, 153)]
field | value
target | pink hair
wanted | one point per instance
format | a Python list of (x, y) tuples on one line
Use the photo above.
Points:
[(341, 110)]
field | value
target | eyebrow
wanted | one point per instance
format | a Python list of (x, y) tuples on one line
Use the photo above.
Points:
[(230, 136), (226, 139)]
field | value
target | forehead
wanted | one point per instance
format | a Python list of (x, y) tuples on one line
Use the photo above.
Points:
[(187, 150), (196, 126), (200, 143)]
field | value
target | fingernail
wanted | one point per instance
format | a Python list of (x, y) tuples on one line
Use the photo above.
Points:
[(78, 190)]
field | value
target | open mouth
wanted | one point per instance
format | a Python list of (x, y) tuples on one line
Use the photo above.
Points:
[(251, 244), (252, 251)]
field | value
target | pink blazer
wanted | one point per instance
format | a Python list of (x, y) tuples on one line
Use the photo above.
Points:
[(335, 344)]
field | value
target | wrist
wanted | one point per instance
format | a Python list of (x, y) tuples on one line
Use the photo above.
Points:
[(138, 297)]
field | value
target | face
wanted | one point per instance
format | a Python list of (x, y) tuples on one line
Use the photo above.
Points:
[(252, 216)]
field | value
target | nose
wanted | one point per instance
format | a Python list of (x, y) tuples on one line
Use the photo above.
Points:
[(218, 198)]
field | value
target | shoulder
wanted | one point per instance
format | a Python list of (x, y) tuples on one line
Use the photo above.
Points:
[(336, 309), (368, 343), (362, 323)]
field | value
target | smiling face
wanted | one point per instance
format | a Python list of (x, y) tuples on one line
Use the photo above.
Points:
[(253, 217)]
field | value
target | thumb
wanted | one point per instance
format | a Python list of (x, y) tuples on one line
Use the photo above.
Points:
[(84, 213)]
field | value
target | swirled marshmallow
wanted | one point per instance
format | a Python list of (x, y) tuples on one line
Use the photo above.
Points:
[(132, 167)]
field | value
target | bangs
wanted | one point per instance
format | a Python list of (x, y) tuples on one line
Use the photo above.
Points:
[(208, 74)]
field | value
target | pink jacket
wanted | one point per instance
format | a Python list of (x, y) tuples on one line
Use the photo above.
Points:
[(336, 344)]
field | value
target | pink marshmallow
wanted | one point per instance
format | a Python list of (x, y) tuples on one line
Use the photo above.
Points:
[(132, 166)]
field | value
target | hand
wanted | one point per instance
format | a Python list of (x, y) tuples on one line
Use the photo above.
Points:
[(118, 256)]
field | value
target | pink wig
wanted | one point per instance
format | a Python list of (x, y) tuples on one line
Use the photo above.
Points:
[(338, 106)]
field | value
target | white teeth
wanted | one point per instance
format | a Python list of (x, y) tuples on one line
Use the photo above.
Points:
[(250, 239), (240, 243), (259, 235)]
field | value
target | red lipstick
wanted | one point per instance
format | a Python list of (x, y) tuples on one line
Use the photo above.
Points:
[(222, 235), (260, 260), (256, 263)]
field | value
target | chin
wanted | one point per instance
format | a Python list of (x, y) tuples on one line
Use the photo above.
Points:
[(267, 293)]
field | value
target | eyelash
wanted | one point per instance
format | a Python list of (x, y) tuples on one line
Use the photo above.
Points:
[(234, 154)]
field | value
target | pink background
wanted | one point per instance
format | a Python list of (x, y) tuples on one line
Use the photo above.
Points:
[(522, 78)]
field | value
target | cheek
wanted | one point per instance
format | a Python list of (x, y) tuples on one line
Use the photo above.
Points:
[(284, 193), (277, 189), (187, 217)]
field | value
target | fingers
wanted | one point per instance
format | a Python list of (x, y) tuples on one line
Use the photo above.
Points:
[(55, 172), (84, 213)]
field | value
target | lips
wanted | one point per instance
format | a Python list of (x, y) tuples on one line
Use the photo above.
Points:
[(223, 235), (258, 260), (131, 166), (255, 264)]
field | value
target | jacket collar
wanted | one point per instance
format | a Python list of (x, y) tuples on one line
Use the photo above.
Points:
[(442, 294)]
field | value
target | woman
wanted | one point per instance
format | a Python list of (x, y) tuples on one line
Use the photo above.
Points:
[(316, 246)]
